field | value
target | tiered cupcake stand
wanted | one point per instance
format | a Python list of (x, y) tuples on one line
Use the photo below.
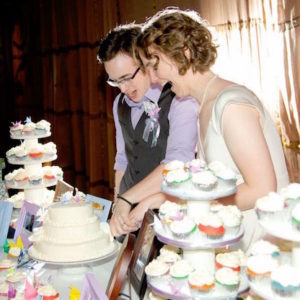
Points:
[(197, 249), (34, 193), (282, 230)]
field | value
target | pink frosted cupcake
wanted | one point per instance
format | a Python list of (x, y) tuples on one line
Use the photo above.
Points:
[(16, 129), (196, 165)]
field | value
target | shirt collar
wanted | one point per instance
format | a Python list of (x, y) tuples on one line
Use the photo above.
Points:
[(152, 94)]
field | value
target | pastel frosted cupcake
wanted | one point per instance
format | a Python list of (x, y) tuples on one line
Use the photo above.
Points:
[(201, 281), (15, 277), (232, 219), (21, 154), (48, 292), (173, 165), (296, 217), (183, 228), (29, 128), (6, 264), (58, 172), (21, 178), (36, 152), (35, 178), (212, 226), (263, 247), (42, 127), (196, 165), (285, 281), (49, 149), (10, 178), (168, 255), (176, 177), (17, 199), (229, 260), (260, 267), (156, 268), (205, 181), (228, 279), (16, 129), (271, 208), (180, 272), (11, 153), (291, 194), (49, 175)]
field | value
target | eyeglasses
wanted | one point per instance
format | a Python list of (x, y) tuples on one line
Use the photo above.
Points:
[(117, 83)]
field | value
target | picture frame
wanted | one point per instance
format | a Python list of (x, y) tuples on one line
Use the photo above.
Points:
[(28, 209), (101, 206), (61, 188), (6, 209), (146, 248)]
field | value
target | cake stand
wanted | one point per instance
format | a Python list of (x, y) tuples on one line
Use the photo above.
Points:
[(197, 249), (283, 230), (34, 193)]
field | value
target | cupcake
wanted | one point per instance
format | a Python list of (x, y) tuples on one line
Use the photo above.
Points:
[(156, 268), (17, 199), (216, 166), (285, 281), (6, 264), (49, 149), (15, 277), (205, 180), (291, 194), (42, 127), (270, 207), (296, 217), (183, 228), (196, 165), (10, 178), (228, 279), (29, 128), (168, 255), (36, 152), (201, 281), (180, 272), (21, 154), (35, 178), (229, 260), (21, 177), (11, 153), (48, 292), (212, 226), (259, 267), (169, 212), (227, 176), (173, 165), (176, 177), (232, 219), (263, 247), (48, 174), (16, 129), (58, 172)]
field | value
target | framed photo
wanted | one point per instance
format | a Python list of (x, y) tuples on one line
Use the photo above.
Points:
[(25, 223), (146, 248), (5, 216), (101, 207), (61, 188)]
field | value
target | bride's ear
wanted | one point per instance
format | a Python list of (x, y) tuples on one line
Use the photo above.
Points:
[(187, 53)]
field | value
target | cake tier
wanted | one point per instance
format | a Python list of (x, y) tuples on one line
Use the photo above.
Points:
[(75, 252), (61, 214), (71, 233)]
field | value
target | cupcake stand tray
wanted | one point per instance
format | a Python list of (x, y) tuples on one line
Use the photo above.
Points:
[(31, 136), (283, 230), (28, 160), (164, 287)]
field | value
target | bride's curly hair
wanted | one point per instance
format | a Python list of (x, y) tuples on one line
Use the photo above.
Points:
[(181, 35)]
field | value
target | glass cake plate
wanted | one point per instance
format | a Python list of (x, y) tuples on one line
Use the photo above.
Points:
[(103, 258)]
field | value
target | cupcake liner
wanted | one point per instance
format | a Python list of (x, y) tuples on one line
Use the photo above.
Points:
[(283, 291), (228, 287)]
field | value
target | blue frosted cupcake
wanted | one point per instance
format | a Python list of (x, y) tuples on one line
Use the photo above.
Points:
[(285, 281), (263, 247)]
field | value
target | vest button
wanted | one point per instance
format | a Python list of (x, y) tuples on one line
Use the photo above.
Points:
[(137, 172), (135, 157), (135, 142)]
